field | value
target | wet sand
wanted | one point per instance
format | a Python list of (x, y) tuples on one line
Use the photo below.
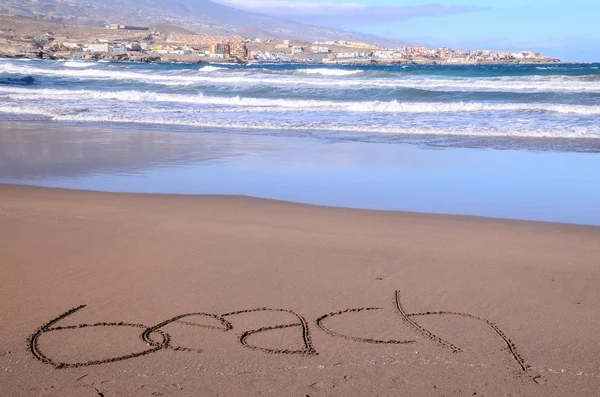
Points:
[(549, 186), (232, 296)]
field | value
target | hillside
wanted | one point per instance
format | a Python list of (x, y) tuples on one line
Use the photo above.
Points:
[(202, 16)]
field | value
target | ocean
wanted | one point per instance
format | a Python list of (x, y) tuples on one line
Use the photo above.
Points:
[(523, 107)]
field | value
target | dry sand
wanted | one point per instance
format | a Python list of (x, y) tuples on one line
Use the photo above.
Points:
[(170, 284)]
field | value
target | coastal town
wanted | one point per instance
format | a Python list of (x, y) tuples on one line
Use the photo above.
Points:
[(118, 42)]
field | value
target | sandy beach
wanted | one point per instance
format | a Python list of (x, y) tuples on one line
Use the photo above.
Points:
[(110, 294)]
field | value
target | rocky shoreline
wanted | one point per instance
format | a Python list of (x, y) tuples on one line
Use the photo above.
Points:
[(191, 59), (101, 56)]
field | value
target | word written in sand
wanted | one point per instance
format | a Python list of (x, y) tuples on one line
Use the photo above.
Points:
[(157, 339)]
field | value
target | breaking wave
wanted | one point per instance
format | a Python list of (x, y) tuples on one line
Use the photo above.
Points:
[(283, 105), (385, 102), (78, 64), (588, 83), (330, 72), (338, 129), (210, 68)]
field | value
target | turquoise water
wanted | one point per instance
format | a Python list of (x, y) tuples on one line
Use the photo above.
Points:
[(533, 107)]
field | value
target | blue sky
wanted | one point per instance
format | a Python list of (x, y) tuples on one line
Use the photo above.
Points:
[(565, 29)]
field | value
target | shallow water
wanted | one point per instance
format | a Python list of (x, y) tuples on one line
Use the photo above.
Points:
[(545, 186)]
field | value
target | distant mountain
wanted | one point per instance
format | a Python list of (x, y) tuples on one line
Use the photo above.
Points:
[(202, 16)]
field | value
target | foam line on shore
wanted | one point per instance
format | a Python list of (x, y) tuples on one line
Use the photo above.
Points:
[(394, 106), (351, 132)]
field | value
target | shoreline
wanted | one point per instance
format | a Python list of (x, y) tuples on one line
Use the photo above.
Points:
[(528, 184), (151, 58), (267, 201), (531, 143)]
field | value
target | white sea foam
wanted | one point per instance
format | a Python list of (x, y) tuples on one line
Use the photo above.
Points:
[(178, 115), (283, 105), (78, 64), (210, 68), (355, 130), (330, 72), (31, 110)]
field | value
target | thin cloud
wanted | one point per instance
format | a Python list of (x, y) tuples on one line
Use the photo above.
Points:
[(346, 13)]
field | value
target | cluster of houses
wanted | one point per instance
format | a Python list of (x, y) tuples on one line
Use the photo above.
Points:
[(269, 56), (213, 48), (443, 54), (98, 46), (320, 51), (458, 56), (205, 45), (227, 47)]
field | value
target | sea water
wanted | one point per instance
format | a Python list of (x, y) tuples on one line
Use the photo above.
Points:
[(411, 138), (540, 107)]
